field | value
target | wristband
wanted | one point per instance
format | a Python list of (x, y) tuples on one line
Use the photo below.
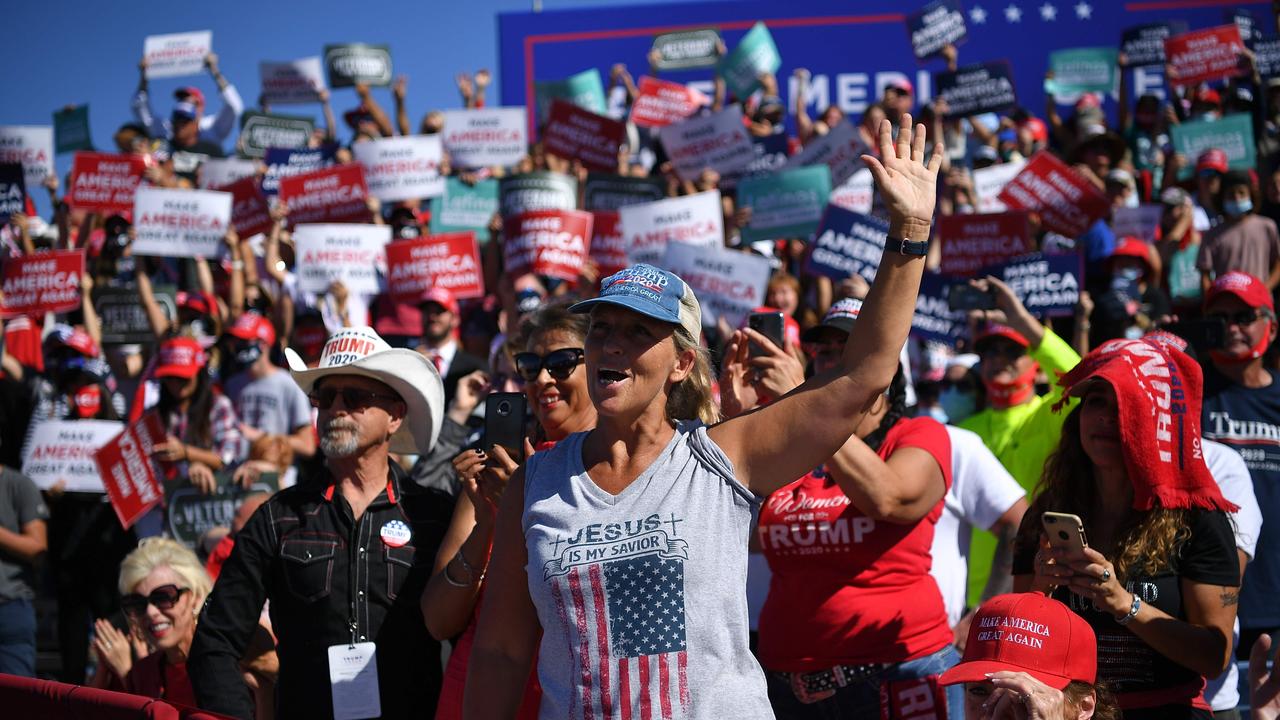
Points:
[(1133, 611), (906, 247)]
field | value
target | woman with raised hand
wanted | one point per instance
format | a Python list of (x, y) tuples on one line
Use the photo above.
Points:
[(635, 533)]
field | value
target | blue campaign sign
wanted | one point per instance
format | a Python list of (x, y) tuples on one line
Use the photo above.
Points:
[(284, 162), (853, 50), (847, 243), (1046, 284), (934, 319)]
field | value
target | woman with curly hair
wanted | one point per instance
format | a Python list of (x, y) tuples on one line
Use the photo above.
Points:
[(1158, 579)]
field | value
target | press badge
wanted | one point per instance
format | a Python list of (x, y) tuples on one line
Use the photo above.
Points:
[(353, 680)]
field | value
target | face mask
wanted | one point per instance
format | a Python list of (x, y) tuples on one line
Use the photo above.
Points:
[(957, 404), (1007, 395), (243, 358), (88, 400), (1129, 274), (1236, 208), (1226, 358)]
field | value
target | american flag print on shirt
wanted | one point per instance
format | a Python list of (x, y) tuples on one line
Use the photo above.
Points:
[(625, 620)]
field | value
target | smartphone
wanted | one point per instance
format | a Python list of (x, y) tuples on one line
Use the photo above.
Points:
[(1065, 531), (1203, 334), (504, 414), (770, 325), (963, 297)]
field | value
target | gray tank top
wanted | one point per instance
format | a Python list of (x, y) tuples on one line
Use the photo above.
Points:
[(642, 595)]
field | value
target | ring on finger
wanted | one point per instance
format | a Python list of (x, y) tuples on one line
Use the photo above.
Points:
[(1106, 574)]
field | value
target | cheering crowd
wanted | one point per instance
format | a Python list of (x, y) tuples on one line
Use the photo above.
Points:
[(575, 498)]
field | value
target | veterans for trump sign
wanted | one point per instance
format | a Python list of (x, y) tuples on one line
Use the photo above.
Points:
[(693, 219), (42, 282), (547, 242), (483, 137), (104, 183), (336, 194), (180, 223), (63, 451), (400, 168), (450, 261), (716, 141), (176, 54), (972, 242), (574, 133), (355, 63), (353, 254), (610, 192), (260, 131), (685, 50), (540, 190), (1067, 203), (30, 146)]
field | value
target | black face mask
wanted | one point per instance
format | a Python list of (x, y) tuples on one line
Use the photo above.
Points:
[(241, 357)]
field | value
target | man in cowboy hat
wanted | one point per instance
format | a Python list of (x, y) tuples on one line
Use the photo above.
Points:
[(344, 555)]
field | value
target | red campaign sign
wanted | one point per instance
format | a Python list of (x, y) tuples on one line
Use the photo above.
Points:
[(583, 135), (1067, 203), (105, 183), (608, 244), (40, 283), (331, 195), (127, 471), (448, 260), (547, 242), (972, 242), (660, 103), (1205, 55), (249, 212)]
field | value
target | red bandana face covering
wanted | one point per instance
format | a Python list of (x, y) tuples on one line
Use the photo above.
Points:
[(1006, 395), (88, 401), (1226, 358)]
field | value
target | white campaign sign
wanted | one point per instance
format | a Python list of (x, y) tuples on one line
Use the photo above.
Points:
[(486, 136), (1140, 222), (354, 254), (841, 150), (216, 172), (989, 181), (63, 450), (403, 167), (295, 81), (856, 194), (177, 54), (729, 284), (647, 228), (717, 141), (30, 146), (180, 223)]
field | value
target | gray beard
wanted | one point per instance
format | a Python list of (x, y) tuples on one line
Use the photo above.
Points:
[(340, 439)]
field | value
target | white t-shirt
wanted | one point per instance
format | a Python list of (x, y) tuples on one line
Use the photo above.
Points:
[(1232, 476), (981, 491)]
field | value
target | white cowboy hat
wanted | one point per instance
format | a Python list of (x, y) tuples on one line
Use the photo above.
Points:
[(361, 351)]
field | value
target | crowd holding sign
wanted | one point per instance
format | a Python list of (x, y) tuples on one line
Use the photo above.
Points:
[(936, 25), (856, 194), (1141, 222), (583, 89), (553, 243), (610, 192), (1082, 70), (1045, 284), (649, 227), (482, 137), (685, 50), (847, 243), (249, 212), (30, 146), (729, 285), (402, 168), (716, 141), (192, 513), (286, 162), (127, 470), (36, 284), (180, 223), (176, 54), (520, 194), (71, 129), (1144, 44), (934, 320), (355, 63), (13, 191), (104, 183), (124, 320), (1232, 135), (295, 81), (1068, 204), (989, 181), (350, 253), (62, 452), (336, 194), (578, 134), (785, 204), (608, 244), (216, 172), (971, 242), (977, 89), (755, 54), (660, 103), (450, 261), (260, 131), (1204, 55), (841, 150), (465, 206)]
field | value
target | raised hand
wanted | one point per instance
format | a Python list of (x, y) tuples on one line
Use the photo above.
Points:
[(908, 186), (1264, 686)]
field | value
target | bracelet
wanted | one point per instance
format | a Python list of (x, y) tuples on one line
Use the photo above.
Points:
[(449, 578), (1133, 611), (473, 577), (463, 559), (237, 264)]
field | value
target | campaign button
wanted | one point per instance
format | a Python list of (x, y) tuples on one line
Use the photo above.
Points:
[(395, 533)]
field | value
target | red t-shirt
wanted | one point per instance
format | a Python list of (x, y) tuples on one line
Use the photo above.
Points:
[(847, 589)]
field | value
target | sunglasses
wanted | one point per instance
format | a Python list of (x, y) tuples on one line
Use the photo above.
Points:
[(352, 398), (163, 597), (1240, 317), (560, 364)]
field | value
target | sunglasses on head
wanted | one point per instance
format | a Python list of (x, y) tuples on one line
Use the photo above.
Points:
[(163, 597), (352, 398), (559, 363), (1240, 317)]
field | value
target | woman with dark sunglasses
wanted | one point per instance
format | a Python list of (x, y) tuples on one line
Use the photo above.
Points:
[(554, 377)]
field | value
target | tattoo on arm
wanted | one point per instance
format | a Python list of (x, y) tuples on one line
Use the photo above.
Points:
[(1001, 578), (1229, 598)]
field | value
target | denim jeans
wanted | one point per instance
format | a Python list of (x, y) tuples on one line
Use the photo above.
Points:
[(17, 638), (862, 699)]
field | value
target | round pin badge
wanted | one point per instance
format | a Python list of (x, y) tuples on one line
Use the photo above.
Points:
[(395, 533)]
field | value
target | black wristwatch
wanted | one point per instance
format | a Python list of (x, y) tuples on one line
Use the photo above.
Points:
[(906, 247)]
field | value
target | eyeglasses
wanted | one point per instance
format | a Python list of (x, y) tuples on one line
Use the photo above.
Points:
[(352, 398), (560, 364), (163, 597), (1240, 317)]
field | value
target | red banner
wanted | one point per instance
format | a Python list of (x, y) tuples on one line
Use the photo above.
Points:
[(608, 245), (1205, 55), (127, 472), (970, 242), (1067, 203), (332, 195), (249, 212), (40, 283), (547, 242), (583, 135), (448, 260), (661, 103), (105, 183)]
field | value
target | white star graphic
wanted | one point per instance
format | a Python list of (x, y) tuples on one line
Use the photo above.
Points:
[(1013, 14), (1048, 13), (978, 15), (1084, 10)]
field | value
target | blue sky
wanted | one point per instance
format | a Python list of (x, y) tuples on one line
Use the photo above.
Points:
[(85, 51)]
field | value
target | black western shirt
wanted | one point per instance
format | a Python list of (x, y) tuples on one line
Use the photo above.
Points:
[(331, 580)]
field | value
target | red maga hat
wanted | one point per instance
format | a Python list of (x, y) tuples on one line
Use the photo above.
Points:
[(252, 326), (1251, 291)]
